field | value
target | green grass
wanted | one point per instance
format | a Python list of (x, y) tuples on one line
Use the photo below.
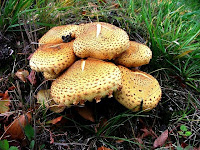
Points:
[(11, 11)]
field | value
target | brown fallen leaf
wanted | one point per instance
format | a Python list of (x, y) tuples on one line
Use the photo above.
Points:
[(4, 102), (86, 112), (103, 148), (44, 98), (148, 132), (55, 107), (32, 77), (11, 88), (54, 121), (119, 141), (161, 139), (22, 74), (16, 128)]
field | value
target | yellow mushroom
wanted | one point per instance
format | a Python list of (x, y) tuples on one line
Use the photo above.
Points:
[(136, 55), (52, 59), (140, 91), (56, 34), (51, 75), (100, 40), (86, 80)]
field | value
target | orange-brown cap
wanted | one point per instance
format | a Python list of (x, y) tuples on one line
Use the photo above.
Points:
[(86, 80), (136, 55), (52, 58), (51, 75), (55, 34), (100, 40), (140, 91)]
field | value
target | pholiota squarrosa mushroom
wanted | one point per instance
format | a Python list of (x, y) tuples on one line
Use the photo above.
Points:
[(140, 91), (52, 59), (100, 40), (57, 34), (86, 80), (136, 55)]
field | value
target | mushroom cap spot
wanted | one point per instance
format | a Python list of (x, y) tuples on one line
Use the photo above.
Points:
[(140, 91), (97, 80), (100, 40), (136, 55), (52, 58), (54, 35)]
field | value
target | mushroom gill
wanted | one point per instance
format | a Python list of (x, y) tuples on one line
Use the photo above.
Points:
[(86, 80), (140, 91), (100, 40), (52, 59), (136, 55)]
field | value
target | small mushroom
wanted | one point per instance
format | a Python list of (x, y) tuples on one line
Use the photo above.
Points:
[(86, 80), (57, 34), (52, 59), (140, 91), (136, 55), (100, 40)]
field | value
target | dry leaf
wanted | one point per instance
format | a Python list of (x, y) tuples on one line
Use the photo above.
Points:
[(54, 121), (22, 74), (16, 128), (31, 77), (119, 141), (44, 98), (148, 132), (4, 102), (161, 139), (56, 108), (86, 112), (11, 88), (103, 148)]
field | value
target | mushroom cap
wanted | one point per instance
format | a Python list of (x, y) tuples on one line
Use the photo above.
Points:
[(140, 91), (52, 58), (86, 80), (48, 75), (54, 35), (100, 40), (136, 55)]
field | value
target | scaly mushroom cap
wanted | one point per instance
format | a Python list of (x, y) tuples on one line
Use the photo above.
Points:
[(100, 40), (50, 75), (86, 80), (55, 34), (136, 55), (52, 58), (140, 91)]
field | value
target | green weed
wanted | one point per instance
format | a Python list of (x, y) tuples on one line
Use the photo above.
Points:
[(11, 11)]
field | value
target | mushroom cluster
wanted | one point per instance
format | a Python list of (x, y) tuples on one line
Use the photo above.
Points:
[(90, 61)]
